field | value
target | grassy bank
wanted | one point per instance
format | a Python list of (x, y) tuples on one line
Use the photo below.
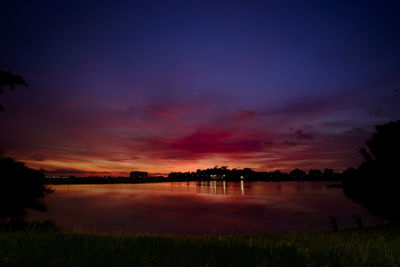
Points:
[(376, 246)]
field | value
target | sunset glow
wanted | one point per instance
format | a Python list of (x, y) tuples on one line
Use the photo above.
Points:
[(178, 87)]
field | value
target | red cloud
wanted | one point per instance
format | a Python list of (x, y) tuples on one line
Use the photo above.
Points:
[(220, 142)]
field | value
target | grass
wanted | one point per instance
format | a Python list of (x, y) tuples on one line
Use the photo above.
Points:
[(373, 246)]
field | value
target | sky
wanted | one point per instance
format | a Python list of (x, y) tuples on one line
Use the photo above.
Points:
[(161, 86)]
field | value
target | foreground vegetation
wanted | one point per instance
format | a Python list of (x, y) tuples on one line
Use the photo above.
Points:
[(374, 246)]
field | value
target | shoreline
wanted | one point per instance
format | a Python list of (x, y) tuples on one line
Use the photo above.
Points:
[(94, 181)]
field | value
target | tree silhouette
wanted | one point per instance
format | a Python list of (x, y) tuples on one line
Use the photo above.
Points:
[(374, 183), (21, 188), (384, 147), (9, 80), (297, 174), (314, 175)]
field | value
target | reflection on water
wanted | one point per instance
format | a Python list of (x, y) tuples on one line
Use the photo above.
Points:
[(215, 186), (201, 207)]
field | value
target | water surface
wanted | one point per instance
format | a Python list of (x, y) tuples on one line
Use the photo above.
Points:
[(200, 208)]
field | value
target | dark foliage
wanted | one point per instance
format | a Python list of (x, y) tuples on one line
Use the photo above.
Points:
[(298, 174), (29, 226), (21, 188), (7, 79), (247, 174), (375, 183)]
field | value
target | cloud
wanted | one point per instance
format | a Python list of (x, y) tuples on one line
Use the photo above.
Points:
[(202, 143), (67, 172), (357, 131), (244, 114), (164, 136), (301, 135), (219, 142), (289, 143), (380, 112), (267, 143)]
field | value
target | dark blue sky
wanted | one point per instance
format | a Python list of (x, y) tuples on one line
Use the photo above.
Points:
[(168, 85)]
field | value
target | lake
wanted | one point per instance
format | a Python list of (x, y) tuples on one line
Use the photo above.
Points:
[(200, 207)]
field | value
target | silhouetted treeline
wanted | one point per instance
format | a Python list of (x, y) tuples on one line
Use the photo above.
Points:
[(247, 174), (216, 173), (21, 188), (374, 184)]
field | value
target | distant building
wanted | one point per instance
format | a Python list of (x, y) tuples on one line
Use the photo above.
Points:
[(139, 175)]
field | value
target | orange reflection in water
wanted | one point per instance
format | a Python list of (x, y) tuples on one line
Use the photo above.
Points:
[(200, 207)]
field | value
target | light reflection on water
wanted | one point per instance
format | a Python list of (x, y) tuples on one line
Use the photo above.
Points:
[(200, 207)]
